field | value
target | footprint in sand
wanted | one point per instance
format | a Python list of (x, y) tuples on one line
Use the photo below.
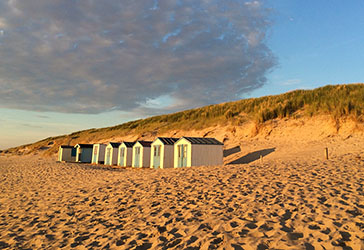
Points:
[(251, 225), (214, 244), (144, 246), (4, 245), (295, 236)]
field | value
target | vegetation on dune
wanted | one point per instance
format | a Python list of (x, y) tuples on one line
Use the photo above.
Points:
[(335, 100)]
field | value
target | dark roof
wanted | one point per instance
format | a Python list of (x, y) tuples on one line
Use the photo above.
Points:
[(85, 145), (115, 144), (168, 140), (145, 143), (66, 146), (129, 144), (205, 141)]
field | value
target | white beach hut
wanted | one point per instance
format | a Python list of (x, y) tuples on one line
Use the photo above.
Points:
[(141, 154), (111, 153), (84, 153), (197, 151), (162, 151), (125, 154), (67, 153), (98, 155)]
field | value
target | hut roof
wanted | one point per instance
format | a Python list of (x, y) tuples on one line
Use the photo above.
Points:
[(66, 146), (115, 144), (203, 141), (128, 144), (85, 145), (168, 140), (145, 143)]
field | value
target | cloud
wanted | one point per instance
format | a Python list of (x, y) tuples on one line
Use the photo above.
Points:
[(94, 56), (291, 82), (2, 23), (28, 125)]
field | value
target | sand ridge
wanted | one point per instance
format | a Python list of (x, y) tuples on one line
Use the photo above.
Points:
[(311, 204)]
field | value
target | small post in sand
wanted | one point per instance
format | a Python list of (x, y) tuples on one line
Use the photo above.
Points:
[(261, 159), (327, 153)]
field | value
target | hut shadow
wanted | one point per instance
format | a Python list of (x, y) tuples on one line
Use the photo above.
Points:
[(253, 156), (231, 151)]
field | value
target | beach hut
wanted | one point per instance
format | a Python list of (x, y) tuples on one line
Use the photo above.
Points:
[(67, 153), (125, 154), (84, 153), (197, 151), (111, 153), (98, 155), (141, 154), (162, 151)]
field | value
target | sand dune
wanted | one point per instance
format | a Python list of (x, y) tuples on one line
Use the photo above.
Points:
[(279, 204)]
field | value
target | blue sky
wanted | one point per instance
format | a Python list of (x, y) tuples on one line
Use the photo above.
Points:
[(317, 43), (68, 66)]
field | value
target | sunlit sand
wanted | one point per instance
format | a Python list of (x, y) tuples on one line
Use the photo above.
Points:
[(280, 202)]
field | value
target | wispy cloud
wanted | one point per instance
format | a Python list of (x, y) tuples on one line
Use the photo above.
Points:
[(291, 82), (28, 125), (94, 56)]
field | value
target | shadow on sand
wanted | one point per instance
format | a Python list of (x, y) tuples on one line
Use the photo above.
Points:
[(253, 156), (231, 151)]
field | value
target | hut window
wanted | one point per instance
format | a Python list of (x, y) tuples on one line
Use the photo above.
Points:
[(157, 150), (73, 152), (182, 151)]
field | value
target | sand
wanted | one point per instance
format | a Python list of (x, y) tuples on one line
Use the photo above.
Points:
[(282, 203)]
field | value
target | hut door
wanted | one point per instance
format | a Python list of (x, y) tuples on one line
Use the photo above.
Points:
[(182, 155), (80, 154), (60, 154), (122, 153), (157, 156), (137, 157), (73, 153), (108, 156), (94, 158)]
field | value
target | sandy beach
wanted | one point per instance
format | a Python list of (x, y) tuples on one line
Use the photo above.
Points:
[(290, 204), (243, 119)]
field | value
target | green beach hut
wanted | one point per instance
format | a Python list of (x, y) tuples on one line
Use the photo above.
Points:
[(111, 153), (162, 152), (84, 152), (67, 153), (198, 151), (98, 153), (141, 154), (125, 154)]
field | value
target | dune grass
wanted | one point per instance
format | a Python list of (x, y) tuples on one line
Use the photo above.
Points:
[(335, 100)]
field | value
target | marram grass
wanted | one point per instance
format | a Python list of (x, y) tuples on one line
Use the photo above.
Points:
[(335, 100)]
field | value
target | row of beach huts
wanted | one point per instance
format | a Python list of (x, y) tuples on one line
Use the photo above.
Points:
[(163, 152)]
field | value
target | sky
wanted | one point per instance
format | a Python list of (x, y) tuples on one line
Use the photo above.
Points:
[(69, 65)]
